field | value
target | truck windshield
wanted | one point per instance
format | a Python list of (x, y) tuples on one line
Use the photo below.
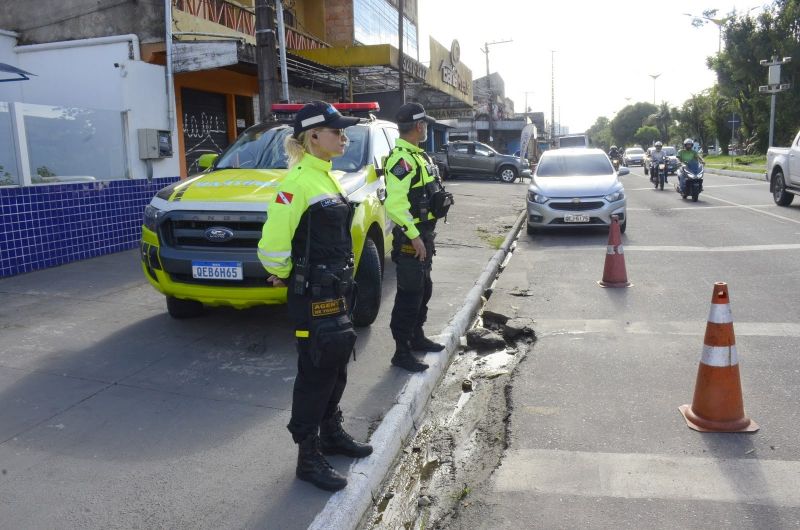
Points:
[(572, 166), (262, 148)]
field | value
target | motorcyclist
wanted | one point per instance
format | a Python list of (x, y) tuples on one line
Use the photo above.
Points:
[(615, 153), (690, 158), (656, 157)]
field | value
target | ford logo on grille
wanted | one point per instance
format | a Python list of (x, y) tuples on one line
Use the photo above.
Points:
[(218, 234)]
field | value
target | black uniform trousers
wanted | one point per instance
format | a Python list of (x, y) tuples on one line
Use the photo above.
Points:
[(414, 285), (317, 391)]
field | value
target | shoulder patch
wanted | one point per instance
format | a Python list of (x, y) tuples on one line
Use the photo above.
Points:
[(401, 168), (284, 197)]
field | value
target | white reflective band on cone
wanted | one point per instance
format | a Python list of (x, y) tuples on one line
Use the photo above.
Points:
[(611, 250), (720, 314), (720, 356)]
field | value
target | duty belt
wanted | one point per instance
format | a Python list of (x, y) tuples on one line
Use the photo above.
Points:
[(330, 278)]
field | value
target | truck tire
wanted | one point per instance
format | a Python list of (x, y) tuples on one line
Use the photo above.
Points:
[(368, 286), (779, 193), (507, 174), (181, 309)]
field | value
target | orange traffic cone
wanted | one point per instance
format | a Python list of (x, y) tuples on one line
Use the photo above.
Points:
[(614, 274), (717, 405)]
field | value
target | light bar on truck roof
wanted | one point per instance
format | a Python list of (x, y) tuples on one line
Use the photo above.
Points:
[(369, 106)]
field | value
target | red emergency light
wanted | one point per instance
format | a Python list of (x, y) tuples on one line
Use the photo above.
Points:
[(371, 106)]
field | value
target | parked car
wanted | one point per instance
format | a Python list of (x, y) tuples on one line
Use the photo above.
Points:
[(478, 159), (672, 159), (575, 187), (783, 172), (633, 156), (200, 235)]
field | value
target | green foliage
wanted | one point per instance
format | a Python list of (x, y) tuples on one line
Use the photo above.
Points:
[(629, 120), (600, 133), (646, 135), (44, 172)]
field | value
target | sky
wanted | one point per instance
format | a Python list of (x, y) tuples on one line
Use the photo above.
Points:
[(605, 51)]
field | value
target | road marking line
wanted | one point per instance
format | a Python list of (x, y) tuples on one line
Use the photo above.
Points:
[(555, 327), (695, 208), (753, 209), (642, 476), (677, 248)]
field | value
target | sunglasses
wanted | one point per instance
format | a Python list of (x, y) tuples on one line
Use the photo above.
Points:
[(337, 132)]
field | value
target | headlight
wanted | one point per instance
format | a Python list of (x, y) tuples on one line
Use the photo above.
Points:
[(616, 196), (151, 217), (537, 198)]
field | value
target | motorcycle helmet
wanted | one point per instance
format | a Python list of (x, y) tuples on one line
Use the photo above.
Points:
[(688, 142), (659, 145), (613, 147)]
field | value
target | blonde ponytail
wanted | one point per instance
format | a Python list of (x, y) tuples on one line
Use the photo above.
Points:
[(296, 148)]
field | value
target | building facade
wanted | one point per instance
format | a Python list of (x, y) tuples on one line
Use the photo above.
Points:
[(103, 123)]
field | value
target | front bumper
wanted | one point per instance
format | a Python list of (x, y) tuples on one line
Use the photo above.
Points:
[(553, 213), (169, 270)]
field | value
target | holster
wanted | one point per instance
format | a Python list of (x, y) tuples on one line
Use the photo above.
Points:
[(332, 338)]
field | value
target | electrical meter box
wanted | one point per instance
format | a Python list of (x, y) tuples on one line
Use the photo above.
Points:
[(154, 143)]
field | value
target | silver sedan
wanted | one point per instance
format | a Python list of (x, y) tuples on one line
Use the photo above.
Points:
[(575, 187)]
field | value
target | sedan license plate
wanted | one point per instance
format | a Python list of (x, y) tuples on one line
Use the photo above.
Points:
[(217, 270), (576, 218)]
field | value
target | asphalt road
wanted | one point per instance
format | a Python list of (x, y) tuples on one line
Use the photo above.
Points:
[(114, 415), (597, 440)]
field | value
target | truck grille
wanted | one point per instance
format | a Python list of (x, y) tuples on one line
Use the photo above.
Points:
[(577, 206), (188, 229)]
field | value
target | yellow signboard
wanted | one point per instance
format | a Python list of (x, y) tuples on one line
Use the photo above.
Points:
[(448, 73)]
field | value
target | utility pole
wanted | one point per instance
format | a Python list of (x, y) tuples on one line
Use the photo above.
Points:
[(552, 96), (265, 56), (400, 36), (489, 88), (775, 86), (282, 50)]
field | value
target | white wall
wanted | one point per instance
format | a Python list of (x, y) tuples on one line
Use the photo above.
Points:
[(9, 91), (86, 76)]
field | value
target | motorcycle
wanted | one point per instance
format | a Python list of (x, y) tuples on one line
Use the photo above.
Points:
[(693, 182), (615, 163), (658, 174)]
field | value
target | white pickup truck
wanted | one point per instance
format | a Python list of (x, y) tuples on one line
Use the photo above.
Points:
[(783, 172)]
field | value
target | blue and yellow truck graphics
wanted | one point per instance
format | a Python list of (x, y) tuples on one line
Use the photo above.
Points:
[(200, 235)]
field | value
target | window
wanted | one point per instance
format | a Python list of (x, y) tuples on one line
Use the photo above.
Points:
[(462, 149), (375, 22), (8, 158), (380, 147), (574, 166), (481, 150)]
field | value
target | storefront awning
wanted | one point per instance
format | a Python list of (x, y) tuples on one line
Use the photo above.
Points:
[(13, 70)]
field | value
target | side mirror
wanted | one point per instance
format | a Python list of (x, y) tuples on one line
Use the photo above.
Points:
[(491, 154), (621, 172), (207, 160)]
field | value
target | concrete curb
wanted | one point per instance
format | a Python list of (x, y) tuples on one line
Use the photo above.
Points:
[(738, 174), (345, 508)]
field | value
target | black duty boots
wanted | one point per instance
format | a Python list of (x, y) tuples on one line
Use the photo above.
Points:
[(420, 342), (333, 440), (312, 466), (404, 359)]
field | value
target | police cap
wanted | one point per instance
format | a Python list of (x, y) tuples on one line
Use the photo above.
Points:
[(320, 114), (411, 112)]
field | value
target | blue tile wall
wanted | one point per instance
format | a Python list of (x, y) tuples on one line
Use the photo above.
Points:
[(46, 226)]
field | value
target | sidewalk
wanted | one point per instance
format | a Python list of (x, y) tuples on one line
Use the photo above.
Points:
[(114, 415)]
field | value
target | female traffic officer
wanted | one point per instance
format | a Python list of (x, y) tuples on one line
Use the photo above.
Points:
[(306, 246)]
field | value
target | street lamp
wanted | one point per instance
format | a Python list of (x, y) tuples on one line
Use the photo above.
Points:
[(654, 76), (698, 20)]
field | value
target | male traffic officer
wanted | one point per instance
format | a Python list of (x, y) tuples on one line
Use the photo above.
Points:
[(408, 171)]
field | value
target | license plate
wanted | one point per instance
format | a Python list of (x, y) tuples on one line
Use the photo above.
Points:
[(217, 270), (576, 218)]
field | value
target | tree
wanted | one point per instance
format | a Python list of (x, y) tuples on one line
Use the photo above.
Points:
[(695, 116), (628, 121), (600, 133), (646, 135)]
